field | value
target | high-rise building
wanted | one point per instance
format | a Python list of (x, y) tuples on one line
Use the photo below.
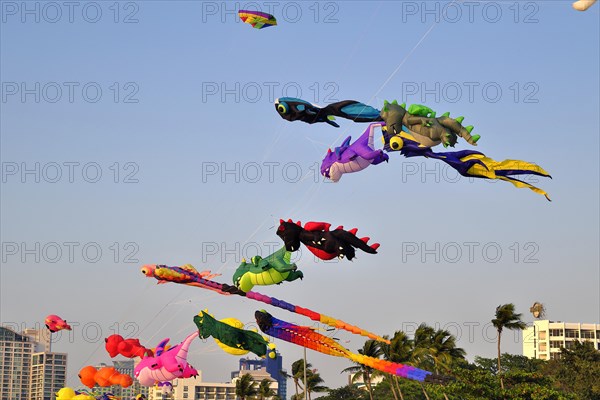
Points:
[(15, 364), (48, 375), (28, 371), (274, 366), (544, 338)]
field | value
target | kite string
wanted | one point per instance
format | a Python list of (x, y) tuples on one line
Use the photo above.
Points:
[(397, 69), (121, 322)]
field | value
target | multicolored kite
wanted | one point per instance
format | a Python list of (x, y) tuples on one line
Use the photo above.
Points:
[(187, 276), (258, 20), (307, 337)]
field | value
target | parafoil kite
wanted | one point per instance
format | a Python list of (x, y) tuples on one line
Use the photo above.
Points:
[(234, 339), (307, 337), (412, 132), (583, 5), (115, 345), (166, 365), (103, 377), (257, 19), (322, 242), (54, 323), (186, 276), (270, 270)]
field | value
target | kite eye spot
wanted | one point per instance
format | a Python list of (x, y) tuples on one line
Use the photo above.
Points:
[(282, 108), (396, 143)]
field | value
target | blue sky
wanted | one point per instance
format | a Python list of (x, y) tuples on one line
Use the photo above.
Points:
[(133, 125)]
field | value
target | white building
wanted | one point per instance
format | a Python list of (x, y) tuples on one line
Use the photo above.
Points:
[(258, 375), (545, 338), (195, 389)]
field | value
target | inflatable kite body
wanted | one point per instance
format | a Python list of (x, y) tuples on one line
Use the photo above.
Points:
[(583, 5), (271, 270), (236, 323), (65, 393), (293, 109), (166, 365), (115, 345), (307, 337), (103, 377), (202, 274), (258, 20), (427, 129), (322, 242), (184, 274), (54, 323), (236, 341), (164, 273), (353, 157)]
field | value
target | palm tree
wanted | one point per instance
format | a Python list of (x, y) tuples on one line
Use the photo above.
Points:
[(298, 373), (370, 349), (314, 383), (244, 387), (399, 351), (435, 349), (264, 390), (443, 350), (421, 343), (506, 317)]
